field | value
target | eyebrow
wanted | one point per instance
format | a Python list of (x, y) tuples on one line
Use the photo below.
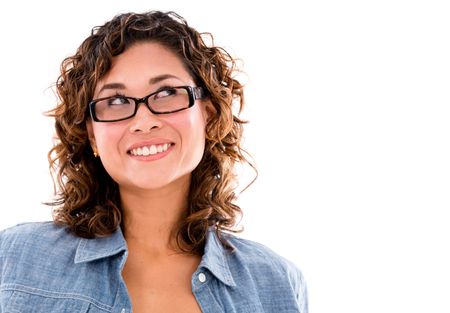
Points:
[(152, 81)]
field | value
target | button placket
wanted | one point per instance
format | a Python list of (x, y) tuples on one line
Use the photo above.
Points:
[(202, 277)]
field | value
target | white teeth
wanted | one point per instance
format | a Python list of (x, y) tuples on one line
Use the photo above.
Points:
[(150, 150)]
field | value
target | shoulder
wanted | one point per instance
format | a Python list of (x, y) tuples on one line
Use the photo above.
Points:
[(252, 253), (259, 259), (31, 227), (29, 240), (266, 274), (46, 268), (33, 231)]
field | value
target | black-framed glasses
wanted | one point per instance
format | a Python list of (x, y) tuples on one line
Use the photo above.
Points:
[(163, 101)]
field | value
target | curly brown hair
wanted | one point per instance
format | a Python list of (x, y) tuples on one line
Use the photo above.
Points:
[(87, 199)]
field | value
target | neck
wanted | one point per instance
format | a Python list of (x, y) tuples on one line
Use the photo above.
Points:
[(152, 216)]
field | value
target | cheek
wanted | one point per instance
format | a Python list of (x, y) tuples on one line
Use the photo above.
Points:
[(191, 128), (107, 136)]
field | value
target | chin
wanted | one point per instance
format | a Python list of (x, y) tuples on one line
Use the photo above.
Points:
[(158, 183)]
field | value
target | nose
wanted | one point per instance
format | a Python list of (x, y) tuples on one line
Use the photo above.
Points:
[(144, 120)]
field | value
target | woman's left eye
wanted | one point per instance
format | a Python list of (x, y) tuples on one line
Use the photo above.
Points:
[(165, 93)]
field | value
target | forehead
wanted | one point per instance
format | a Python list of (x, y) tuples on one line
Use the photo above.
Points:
[(142, 61)]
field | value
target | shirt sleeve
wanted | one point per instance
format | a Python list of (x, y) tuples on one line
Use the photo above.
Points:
[(1, 257), (302, 293)]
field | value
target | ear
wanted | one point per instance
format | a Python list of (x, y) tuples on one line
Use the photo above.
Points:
[(209, 110), (90, 130)]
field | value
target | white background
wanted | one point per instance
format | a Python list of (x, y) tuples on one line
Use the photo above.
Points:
[(349, 110)]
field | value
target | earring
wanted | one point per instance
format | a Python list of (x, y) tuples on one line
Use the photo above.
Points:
[(95, 152)]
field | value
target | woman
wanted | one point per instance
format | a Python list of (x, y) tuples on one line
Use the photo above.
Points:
[(145, 168)]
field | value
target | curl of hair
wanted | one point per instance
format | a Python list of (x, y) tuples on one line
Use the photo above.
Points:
[(87, 198)]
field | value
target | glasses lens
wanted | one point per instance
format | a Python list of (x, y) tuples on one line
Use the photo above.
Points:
[(114, 108), (169, 100)]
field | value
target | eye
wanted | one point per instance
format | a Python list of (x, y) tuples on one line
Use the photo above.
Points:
[(113, 101), (164, 93)]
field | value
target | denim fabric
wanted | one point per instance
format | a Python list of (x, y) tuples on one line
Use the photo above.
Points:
[(44, 268)]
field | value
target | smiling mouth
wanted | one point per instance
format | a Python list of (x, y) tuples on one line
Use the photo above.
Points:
[(150, 150)]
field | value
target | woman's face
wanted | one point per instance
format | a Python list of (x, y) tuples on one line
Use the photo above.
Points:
[(176, 141)]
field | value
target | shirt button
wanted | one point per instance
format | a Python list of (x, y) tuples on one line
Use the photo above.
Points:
[(202, 277)]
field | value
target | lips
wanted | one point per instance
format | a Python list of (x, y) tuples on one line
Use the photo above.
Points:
[(151, 148), (147, 150)]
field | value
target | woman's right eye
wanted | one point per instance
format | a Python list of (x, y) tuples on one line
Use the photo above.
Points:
[(118, 101)]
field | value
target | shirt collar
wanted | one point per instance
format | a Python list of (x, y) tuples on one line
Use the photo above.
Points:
[(100, 247), (215, 258)]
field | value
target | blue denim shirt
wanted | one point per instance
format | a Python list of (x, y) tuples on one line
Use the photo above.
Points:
[(44, 268)]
